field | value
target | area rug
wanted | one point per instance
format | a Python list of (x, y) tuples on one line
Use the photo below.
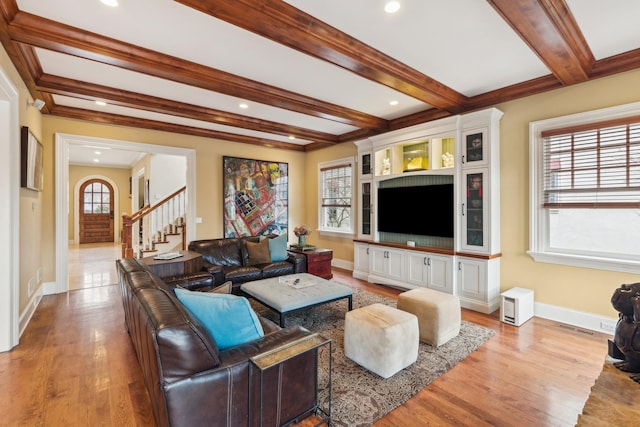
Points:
[(360, 397)]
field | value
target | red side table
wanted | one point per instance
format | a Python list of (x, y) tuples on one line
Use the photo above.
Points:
[(318, 261)]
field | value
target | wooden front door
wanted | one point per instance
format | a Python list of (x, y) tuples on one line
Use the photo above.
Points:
[(96, 212)]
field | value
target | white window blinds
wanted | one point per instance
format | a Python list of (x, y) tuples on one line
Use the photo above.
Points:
[(593, 166), (336, 191)]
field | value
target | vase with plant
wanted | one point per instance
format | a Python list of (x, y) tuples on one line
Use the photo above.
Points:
[(302, 232)]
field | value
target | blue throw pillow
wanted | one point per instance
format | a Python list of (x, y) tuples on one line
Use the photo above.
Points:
[(278, 248), (229, 318)]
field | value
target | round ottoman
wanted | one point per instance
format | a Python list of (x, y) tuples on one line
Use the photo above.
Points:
[(438, 314), (381, 339)]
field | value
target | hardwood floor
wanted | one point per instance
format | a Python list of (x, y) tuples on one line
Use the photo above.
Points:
[(75, 366)]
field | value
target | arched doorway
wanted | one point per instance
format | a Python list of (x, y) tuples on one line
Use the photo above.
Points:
[(96, 212)]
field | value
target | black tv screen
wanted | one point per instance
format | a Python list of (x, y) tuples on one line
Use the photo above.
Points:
[(425, 210)]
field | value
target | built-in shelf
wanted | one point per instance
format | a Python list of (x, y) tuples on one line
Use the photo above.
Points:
[(426, 155)]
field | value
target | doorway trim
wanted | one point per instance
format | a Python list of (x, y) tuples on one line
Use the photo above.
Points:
[(63, 143), (9, 213), (117, 218)]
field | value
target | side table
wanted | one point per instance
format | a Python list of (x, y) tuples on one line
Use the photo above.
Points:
[(318, 261), (189, 263)]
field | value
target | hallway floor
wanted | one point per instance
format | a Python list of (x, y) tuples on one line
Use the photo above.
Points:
[(93, 264)]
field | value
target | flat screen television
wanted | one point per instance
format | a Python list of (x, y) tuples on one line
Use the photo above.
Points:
[(425, 210)]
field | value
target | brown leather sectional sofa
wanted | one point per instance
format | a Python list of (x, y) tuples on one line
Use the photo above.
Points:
[(191, 382), (228, 259)]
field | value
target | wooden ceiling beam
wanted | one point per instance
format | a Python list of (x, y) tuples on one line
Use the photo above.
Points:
[(39, 32), (282, 23), (92, 92), (550, 30), (115, 119)]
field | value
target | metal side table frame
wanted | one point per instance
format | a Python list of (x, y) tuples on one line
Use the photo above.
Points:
[(290, 350)]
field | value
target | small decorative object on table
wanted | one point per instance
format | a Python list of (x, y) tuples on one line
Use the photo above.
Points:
[(167, 255), (296, 282), (302, 232)]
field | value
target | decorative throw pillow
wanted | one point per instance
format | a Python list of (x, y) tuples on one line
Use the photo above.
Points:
[(259, 252), (225, 288), (278, 248), (229, 318)]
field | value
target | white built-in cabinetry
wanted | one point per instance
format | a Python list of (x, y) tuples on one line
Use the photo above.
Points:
[(430, 270), (466, 149)]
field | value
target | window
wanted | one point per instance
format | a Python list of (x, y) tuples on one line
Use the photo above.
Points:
[(585, 189), (96, 198), (336, 196)]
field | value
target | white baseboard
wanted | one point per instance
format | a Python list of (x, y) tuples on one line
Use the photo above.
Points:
[(340, 263), (580, 319), (29, 310), (50, 288)]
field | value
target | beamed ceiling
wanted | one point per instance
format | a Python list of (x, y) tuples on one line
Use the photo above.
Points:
[(310, 73)]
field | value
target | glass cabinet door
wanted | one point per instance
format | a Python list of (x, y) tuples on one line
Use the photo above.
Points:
[(474, 212), (365, 209), (365, 162), (474, 150)]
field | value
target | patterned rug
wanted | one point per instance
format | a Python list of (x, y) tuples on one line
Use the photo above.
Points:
[(360, 397)]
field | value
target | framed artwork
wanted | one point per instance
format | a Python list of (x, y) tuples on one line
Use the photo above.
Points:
[(31, 158), (255, 197)]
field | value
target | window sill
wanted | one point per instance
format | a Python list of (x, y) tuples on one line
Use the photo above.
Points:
[(333, 233), (625, 266)]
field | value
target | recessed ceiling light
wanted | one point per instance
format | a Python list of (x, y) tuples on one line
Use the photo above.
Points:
[(394, 102), (96, 160), (392, 7), (292, 137), (243, 105), (112, 3), (97, 152), (101, 103)]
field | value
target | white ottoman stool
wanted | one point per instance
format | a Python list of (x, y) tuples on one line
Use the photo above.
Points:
[(381, 339), (438, 314)]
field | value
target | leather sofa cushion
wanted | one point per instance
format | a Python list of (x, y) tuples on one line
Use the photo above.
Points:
[(193, 281), (225, 252), (277, 269), (242, 274)]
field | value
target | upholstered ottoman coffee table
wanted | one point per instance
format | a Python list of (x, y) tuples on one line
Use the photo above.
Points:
[(296, 292), (438, 314), (381, 339)]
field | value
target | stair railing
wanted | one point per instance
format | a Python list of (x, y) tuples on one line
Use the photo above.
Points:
[(154, 223)]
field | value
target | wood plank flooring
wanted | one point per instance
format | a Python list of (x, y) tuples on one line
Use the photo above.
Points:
[(75, 366)]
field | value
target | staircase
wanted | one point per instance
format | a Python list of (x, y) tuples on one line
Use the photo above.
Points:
[(158, 228)]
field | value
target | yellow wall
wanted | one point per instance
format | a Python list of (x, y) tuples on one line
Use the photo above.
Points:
[(31, 203), (342, 248), (121, 179)]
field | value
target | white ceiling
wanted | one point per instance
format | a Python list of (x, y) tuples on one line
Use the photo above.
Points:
[(102, 155), (463, 44)]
